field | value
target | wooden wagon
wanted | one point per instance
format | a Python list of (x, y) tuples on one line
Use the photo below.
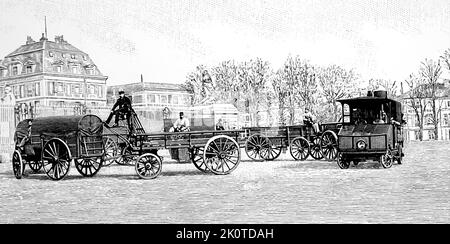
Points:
[(51, 143)]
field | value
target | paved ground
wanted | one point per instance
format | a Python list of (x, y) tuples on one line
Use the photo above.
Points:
[(283, 191)]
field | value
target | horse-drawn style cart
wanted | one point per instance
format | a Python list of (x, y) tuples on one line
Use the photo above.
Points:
[(51, 143), (267, 143)]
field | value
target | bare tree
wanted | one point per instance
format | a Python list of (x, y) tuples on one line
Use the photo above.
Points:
[(430, 72), (390, 86), (417, 96), (446, 58), (336, 83)]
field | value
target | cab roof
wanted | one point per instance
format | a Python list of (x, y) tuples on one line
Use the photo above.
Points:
[(366, 99)]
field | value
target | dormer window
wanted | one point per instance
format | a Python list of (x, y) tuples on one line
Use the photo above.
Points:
[(84, 58), (15, 70), (58, 69), (29, 69), (50, 54), (72, 56), (90, 71)]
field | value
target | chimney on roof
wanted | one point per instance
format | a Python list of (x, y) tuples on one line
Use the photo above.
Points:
[(43, 38), (59, 39), (29, 40)]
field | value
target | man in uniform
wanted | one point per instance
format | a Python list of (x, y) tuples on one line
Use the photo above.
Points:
[(124, 104)]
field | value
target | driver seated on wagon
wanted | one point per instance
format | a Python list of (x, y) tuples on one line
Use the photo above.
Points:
[(181, 124), (124, 104), (311, 120)]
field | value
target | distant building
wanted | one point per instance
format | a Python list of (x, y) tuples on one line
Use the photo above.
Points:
[(154, 101), (52, 73), (443, 110)]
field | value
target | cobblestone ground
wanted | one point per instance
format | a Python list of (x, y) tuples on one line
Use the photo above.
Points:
[(282, 191)]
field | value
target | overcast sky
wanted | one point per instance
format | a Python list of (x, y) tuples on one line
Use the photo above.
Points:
[(164, 40)]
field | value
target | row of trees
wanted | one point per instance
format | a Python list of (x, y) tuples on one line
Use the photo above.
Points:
[(425, 91), (254, 86)]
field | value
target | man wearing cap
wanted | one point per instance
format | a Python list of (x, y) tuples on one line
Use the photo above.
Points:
[(124, 104), (182, 124)]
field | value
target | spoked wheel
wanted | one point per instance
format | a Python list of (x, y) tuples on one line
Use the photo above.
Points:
[(127, 157), (329, 145), (148, 166), (56, 159), (17, 164), (111, 151), (254, 144), (386, 160), (316, 148), (342, 162), (270, 153), (399, 155), (197, 159), (222, 154), (35, 165), (299, 148), (88, 167)]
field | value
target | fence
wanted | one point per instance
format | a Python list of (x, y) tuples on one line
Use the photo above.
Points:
[(7, 127)]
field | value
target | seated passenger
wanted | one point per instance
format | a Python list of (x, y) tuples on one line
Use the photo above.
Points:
[(124, 104), (182, 124), (310, 119), (219, 125)]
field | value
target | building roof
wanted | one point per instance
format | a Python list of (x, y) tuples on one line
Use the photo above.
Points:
[(149, 86), (443, 90), (59, 44)]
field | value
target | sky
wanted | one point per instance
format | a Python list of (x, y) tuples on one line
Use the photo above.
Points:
[(165, 40)]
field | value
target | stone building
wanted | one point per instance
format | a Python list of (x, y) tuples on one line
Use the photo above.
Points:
[(52, 73), (443, 112), (154, 101)]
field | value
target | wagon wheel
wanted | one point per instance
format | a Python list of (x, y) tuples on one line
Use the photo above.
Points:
[(316, 148), (148, 166), (197, 159), (299, 148), (271, 152), (399, 156), (17, 164), (254, 144), (222, 154), (111, 151), (88, 167), (35, 165), (386, 160), (329, 145), (56, 159), (127, 157), (342, 162)]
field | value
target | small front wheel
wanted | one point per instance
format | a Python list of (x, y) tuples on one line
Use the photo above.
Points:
[(148, 166), (386, 160), (342, 162)]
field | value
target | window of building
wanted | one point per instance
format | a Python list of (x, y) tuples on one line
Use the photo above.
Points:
[(50, 54), (2, 73), (90, 71), (37, 89), (448, 104), (137, 99), (68, 90), (169, 99), (58, 68), (51, 88), (29, 89), (84, 58), (29, 69), (100, 91), (163, 99), (175, 99), (91, 89), (151, 98), (431, 135), (72, 56), (15, 70), (75, 69), (428, 119), (445, 119), (60, 87), (22, 91)]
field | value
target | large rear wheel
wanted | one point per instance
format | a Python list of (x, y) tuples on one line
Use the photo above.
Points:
[(299, 148), (222, 154), (56, 159), (17, 164)]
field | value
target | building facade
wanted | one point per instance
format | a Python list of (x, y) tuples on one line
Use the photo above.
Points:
[(154, 101), (52, 73), (412, 132)]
